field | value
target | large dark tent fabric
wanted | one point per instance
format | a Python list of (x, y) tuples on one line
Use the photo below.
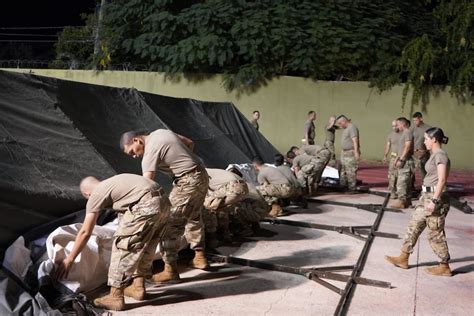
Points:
[(55, 132)]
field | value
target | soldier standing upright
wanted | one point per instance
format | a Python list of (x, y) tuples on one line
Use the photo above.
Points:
[(404, 164), (350, 154), (390, 155), (432, 207), (420, 154), (309, 129)]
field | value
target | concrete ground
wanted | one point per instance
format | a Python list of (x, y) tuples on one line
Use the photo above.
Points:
[(231, 289)]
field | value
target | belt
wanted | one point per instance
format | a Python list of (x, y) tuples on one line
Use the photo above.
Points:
[(392, 154), (427, 189), (348, 149)]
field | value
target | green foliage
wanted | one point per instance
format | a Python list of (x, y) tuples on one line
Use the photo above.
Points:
[(250, 42), (75, 46)]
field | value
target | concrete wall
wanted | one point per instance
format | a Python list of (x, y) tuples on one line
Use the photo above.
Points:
[(284, 103)]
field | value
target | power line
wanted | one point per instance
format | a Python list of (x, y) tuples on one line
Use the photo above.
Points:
[(45, 41), (38, 35), (38, 27)]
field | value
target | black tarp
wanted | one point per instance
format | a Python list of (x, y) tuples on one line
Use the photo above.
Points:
[(54, 132)]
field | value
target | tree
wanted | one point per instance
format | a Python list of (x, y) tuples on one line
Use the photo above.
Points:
[(249, 42)]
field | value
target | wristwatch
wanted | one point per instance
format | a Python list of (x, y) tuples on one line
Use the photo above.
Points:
[(436, 201)]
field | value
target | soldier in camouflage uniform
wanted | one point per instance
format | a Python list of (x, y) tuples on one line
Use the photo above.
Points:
[(404, 164), (225, 189), (391, 153), (432, 208), (420, 154), (145, 210), (350, 154), (273, 185), (172, 154), (330, 138)]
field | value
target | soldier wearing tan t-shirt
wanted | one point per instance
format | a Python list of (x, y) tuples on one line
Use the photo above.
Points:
[(145, 210), (350, 154), (431, 211), (404, 164), (172, 154), (273, 185), (225, 189), (390, 155), (420, 154)]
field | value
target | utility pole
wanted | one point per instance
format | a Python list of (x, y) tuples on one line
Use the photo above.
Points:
[(99, 11)]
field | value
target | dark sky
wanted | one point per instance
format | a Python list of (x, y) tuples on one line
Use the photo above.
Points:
[(36, 13)]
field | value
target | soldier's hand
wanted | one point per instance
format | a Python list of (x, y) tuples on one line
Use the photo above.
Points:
[(429, 208), (61, 269), (384, 160)]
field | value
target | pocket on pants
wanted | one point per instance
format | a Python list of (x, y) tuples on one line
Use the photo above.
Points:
[(435, 222), (129, 243)]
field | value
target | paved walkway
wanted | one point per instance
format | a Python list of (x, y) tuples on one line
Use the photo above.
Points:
[(235, 290)]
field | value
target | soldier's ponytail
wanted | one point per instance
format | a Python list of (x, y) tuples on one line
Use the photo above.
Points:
[(438, 134)]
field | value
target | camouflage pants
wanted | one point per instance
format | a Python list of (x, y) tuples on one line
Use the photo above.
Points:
[(392, 174), (217, 204), (404, 180), (420, 162), (349, 166), (435, 223), (273, 192), (310, 174), (135, 241), (187, 198), (251, 210), (330, 146)]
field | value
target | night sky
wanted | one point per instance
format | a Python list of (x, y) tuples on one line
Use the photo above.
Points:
[(39, 13)]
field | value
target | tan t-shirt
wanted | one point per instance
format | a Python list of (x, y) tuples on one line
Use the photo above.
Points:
[(271, 175), (119, 191), (302, 160), (349, 132), (405, 136), (164, 151), (419, 136), (218, 177), (431, 167), (286, 171), (394, 138), (311, 150)]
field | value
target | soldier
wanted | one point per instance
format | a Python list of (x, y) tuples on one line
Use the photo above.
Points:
[(420, 155), (391, 153), (404, 164), (273, 185), (309, 168), (330, 137), (255, 118), (171, 153), (288, 173), (432, 207), (310, 129), (350, 155), (225, 189), (145, 210)]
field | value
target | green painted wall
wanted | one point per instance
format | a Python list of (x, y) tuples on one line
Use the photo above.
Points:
[(284, 103)]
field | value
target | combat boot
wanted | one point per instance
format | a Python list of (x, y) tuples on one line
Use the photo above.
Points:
[(276, 210), (136, 290), (113, 301), (400, 261), (442, 270), (200, 261), (393, 196), (170, 274), (400, 204)]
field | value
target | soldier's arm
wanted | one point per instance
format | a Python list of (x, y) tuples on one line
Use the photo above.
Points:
[(387, 149), (442, 175), (149, 175), (80, 242), (355, 141), (406, 149)]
